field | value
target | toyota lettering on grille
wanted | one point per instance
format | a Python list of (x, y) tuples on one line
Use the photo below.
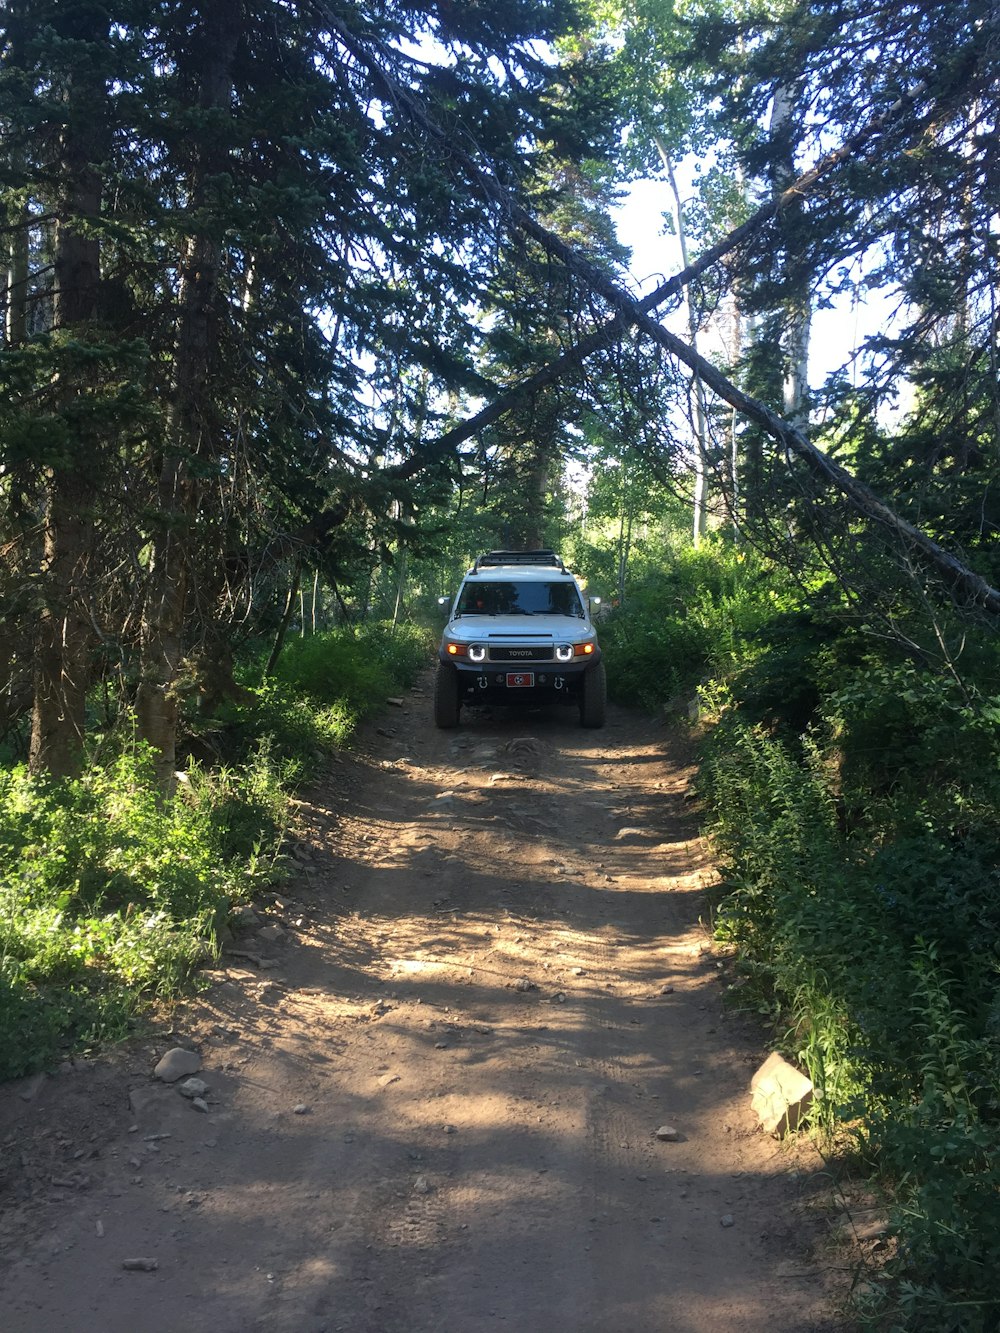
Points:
[(520, 652)]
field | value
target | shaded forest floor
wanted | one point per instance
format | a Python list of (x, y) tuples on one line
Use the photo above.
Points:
[(435, 1069)]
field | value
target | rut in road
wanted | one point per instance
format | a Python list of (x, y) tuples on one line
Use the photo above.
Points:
[(438, 1109)]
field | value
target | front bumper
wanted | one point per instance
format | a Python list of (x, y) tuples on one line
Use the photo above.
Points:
[(520, 683)]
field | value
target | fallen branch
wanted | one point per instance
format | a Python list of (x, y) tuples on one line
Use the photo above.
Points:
[(627, 308), (967, 585)]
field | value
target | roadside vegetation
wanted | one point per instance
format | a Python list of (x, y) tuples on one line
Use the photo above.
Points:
[(851, 784), (112, 892)]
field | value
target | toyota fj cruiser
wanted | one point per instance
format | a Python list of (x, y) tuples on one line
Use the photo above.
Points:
[(519, 632)]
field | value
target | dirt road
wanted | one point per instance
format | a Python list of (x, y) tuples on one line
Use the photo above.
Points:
[(434, 1104)]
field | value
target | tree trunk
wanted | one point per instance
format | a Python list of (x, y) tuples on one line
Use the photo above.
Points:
[(286, 617), (400, 587), (17, 278), (798, 303), (61, 659), (188, 427), (700, 497)]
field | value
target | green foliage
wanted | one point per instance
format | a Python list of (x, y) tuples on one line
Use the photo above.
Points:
[(320, 689), (110, 894), (686, 623), (862, 898), (361, 664), (854, 804)]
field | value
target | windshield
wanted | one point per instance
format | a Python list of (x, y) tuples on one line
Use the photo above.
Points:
[(529, 598)]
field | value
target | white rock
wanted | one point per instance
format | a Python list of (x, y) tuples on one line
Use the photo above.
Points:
[(779, 1094), (668, 1134), (176, 1063), (193, 1087)]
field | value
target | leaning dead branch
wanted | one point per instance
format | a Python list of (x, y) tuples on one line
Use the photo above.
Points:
[(965, 584)]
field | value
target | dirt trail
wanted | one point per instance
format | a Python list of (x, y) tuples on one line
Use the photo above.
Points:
[(437, 1109)]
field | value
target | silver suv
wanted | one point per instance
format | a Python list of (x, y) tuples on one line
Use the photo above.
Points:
[(520, 632)]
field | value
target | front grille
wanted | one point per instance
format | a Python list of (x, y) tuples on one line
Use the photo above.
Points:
[(503, 653)]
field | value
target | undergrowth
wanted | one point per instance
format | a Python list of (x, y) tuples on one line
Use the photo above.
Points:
[(111, 894), (853, 795)]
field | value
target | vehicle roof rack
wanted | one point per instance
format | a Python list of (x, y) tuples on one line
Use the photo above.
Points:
[(520, 558)]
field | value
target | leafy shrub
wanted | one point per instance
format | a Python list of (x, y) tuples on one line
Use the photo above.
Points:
[(108, 893), (688, 621), (321, 688), (359, 666), (874, 943)]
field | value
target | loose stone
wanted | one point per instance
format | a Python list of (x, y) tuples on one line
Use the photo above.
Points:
[(176, 1063)]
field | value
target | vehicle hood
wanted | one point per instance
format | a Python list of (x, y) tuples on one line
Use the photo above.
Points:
[(525, 629)]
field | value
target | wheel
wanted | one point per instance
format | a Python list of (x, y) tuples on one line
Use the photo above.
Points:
[(594, 697), (446, 703)]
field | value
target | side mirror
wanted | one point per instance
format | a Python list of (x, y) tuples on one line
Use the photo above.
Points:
[(444, 603), (595, 601)]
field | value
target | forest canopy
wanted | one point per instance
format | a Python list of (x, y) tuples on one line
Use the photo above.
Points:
[(263, 258)]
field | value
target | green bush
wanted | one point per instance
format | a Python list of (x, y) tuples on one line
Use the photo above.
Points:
[(358, 666), (862, 896), (109, 893), (691, 620)]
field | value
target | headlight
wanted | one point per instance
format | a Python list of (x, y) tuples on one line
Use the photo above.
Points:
[(564, 652), (477, 652)]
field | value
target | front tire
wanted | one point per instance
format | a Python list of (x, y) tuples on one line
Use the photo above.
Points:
[(594, 697), (446, 704)]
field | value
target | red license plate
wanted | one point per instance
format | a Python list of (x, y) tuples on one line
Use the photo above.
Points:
[(519, 680)]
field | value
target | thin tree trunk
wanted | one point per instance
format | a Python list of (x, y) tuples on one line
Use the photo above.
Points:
[(17, 279), (164, 623), (700, 498), (798, 304), (286, 617), (61, 661), (400, 588)]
